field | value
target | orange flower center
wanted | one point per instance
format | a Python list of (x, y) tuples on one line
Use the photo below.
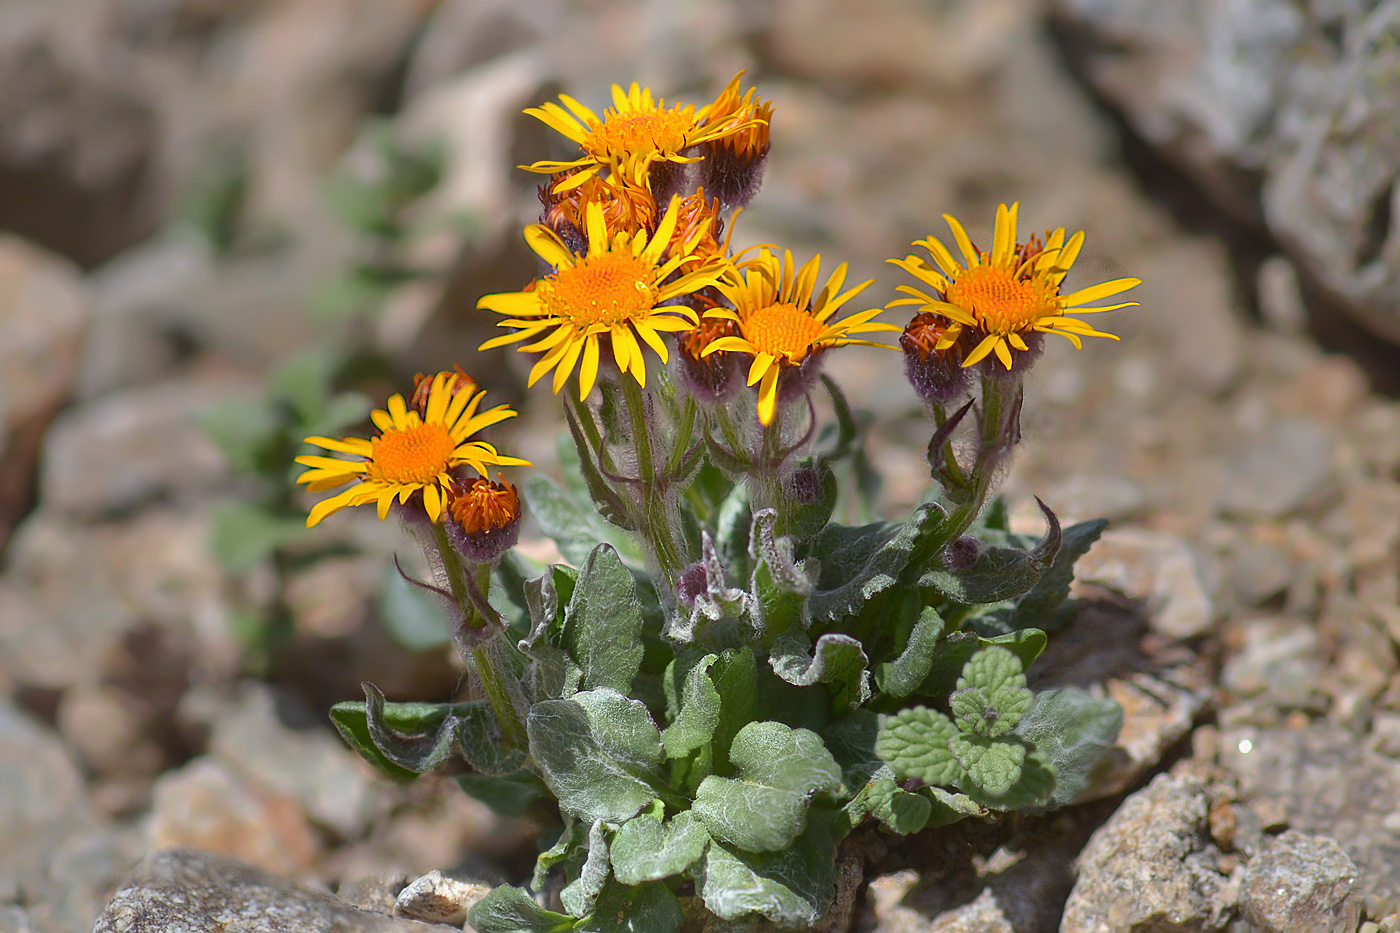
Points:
[(654, 130), (782, 331), (484, 506), (609, 289), (1000, 301), (415, 454)]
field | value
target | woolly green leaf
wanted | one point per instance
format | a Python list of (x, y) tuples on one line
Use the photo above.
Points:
[(992, 766), (914, 742), (574, 523), (1075, 732), (1042, 606), (650, 908), (481, 743), (901, 811), (792, 887), (991, 695), (646, 849), (765, 808), (950, 807), (956, 649), (579, 896), (598, 752), (851, 739), (510, 910), (837, 660), (695, 709), (571, 846), (999, 573), (902, 676), (603, 623), (858, 564), (735, 678), (415, 736), (1033, 789), (811, 517), (779, 587)]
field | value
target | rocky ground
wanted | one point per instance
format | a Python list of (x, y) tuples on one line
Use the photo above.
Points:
[(163, 176)]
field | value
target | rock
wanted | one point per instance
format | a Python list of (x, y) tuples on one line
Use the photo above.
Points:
[(1281, 296), (1300, 96), (439, 898), (1161, 571), (206, 806), (14, 920), (462, 34), (1300, 883), (377, 892), (1151, 866), (126, 449), (43, 313), (182, 889), (1279, 658), (1279, 470), (1331, 785), (308, 765)]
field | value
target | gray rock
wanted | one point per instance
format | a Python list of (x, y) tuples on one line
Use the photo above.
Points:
[(1279, 658), (1278, 471), (1300, 883), (378, 891), (198, 892), (1331, 784), (127, 449), (1303, 95), (1151, 866), (439, 898), (43, 312), (15, 920), (308, 765), (1159, 570)]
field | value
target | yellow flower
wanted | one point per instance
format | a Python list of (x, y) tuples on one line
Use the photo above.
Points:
[(1005, 294), (635, 132), (745, 118), (616, 290), (411, 453), (781, 325)]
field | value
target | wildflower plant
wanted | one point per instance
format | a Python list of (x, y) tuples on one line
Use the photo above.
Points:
[(723, 684)]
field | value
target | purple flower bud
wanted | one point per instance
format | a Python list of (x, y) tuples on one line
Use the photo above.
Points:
[(937, 374), (803, 485), (693, 583), (962, 553)]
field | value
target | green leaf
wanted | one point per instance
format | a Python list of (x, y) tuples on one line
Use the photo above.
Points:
[(603, 623), (732, 525), (507, 795), (792, 887), (993, 766), (1033, 789), (510, 910), (645, 849), (999, 573), (416, 736), (779, 587), (245, 535), (574, 524), (811, 517), (735, 678), (858, 564), (957, 649), (303, 381), (901, 811), (243, 428), (914, 742), (837, 660), (1075, 732), (1040, 606), (950, 807), (991, 694), (598, 752), (696, 710), (571, 846), (579, 896), (412, 616), (554, 674), (902, 676), (650, 908), (846, 430), (482, 743), (350, 721), (342, 412), (851, 739), (765, 808)]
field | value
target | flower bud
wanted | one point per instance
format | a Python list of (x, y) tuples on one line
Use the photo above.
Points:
[(803, 485), (933, 358), (483, 518), (732, 167), (962, 553), (710, 379), (693, 583)]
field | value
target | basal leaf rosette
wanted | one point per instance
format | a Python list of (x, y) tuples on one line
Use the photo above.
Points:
[(781, 324), (1003, 300), (414, 452), (638, 131), (618, 289)]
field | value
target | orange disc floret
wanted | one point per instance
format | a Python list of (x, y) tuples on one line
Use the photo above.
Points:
[(485, 518)]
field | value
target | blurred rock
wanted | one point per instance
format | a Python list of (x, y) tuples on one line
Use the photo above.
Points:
[(1161, 571), (1278, 470), (129, 448), (181, 889), (308, 765), (44, 310), (1300, 883), (1281, 303), (206, 806), (1151, 866), (1303, 97), (1331, 784), (14, 920), (439, 898), (377, 892), (459, 35), (1278, 658)]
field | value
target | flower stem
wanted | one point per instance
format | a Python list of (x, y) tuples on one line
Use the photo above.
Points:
[(654, 522)]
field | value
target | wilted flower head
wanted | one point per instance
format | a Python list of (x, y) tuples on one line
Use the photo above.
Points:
[(933, 358), (626, 207), (1003, 296), (485, 518), (411, 455), (732, 168)]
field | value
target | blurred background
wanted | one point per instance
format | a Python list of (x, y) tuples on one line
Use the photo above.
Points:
[(231, 223)]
